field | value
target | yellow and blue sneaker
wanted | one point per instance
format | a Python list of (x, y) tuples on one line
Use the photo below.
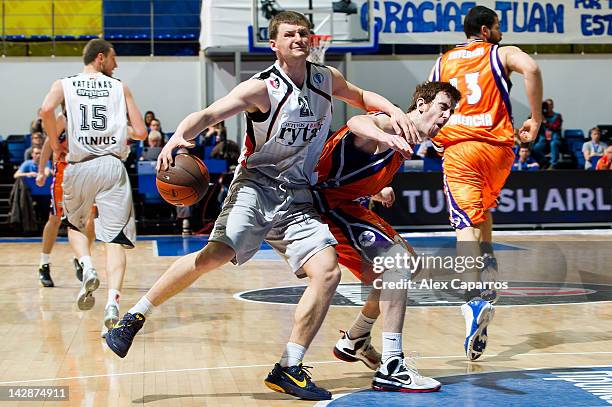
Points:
[(119, 338), (295, 380)]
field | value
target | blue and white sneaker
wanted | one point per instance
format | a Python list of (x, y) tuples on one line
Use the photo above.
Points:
[(478, 313)]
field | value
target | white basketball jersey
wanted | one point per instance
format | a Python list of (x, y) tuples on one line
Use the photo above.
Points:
[(96, 117), (285, 143)]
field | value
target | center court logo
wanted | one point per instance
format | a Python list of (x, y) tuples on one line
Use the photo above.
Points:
[(518, 293)]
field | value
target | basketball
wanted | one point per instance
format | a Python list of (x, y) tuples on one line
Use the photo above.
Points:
[(185, 182)]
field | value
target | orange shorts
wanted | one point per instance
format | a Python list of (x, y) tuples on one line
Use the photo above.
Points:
[(474, 174), (57, 200), (362, 235)]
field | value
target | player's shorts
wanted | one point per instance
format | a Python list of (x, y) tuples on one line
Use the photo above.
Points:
[(474, 174), (102, 181), (57, 199), (258, 208), (364, 240)]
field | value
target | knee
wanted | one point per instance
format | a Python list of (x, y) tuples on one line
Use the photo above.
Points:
[(214, 254)]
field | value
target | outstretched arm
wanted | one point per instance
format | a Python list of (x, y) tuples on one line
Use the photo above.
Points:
[(139, 130), (367, 100), (250, 95)]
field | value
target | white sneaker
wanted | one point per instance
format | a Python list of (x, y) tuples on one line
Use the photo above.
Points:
[(85, 299), (478, 313), (358, 349), (400, 374)]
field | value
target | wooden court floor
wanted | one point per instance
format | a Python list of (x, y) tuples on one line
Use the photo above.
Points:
[(205, 347)]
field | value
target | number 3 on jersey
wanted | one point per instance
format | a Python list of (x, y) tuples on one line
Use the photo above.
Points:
[(98, 121), (471, 82)]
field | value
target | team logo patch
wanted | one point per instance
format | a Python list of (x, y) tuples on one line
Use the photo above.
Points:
[(367, 238), (275, 83), (318, 78)]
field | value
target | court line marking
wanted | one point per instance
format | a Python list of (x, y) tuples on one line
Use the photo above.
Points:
[(199, 369)]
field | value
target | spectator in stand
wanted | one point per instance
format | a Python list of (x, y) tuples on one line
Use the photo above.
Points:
[(29, 168), (593, 148), (605, 162), (524, 161), (156, 126), (37, 141), (549, 136), (214, 134), (36, 125), (151, 152), (148, 117)]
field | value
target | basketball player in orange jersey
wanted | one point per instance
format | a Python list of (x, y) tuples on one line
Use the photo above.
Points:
[(288, 109), (360, 160), (55, 215), (477, 147)]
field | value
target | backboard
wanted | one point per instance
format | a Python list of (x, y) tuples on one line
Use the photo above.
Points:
[(349, 22)]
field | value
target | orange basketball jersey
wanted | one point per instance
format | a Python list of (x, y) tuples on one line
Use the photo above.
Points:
[(484, 112), (347, 173)]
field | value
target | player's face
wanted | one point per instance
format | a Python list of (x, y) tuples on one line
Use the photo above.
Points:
[(109, 63), (494, 35), (435, 115), (292, 41)]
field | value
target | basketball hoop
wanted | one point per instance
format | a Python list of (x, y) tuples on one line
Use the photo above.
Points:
[(318, 45)]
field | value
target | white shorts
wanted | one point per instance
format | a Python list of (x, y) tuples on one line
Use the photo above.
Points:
[(258, 210), (102, 181)]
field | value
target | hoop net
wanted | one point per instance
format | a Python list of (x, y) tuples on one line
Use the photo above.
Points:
[(318, 45)]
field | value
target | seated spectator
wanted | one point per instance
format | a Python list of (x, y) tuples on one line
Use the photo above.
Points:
[(549, 137), (214, 134), (225, 149), (605, 162), (37, 141), (148, 117), (156, 126), (524, 161), (593, 148), (29, 168), (151, 152)]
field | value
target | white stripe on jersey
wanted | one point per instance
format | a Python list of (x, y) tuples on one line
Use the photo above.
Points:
[(286, 142), (96, 116)]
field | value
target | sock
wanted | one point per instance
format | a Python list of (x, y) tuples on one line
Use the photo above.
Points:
[(362, 326), (113, 297), (45, 258), (392, 345), (293, 355), (143, 306), (86, 263)]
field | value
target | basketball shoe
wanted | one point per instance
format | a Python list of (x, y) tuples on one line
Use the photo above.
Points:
[(358, 349), (398, 373), (478, 313), (44, 275), (85, 299), (120, 337), (295, 380)]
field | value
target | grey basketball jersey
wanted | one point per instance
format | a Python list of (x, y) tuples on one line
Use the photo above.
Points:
[(285, 143), (96, 116)]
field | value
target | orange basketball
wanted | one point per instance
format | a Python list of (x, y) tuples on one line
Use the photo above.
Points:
[(185, 182)]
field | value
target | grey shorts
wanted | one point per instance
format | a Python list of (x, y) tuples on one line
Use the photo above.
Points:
[(258, 210), (102, 181)]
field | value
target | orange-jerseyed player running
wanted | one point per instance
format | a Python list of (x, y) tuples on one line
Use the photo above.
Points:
[(477, 145), (360, 160)]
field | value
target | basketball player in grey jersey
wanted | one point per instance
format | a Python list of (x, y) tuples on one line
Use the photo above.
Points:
[(97, 108), (288, 109)]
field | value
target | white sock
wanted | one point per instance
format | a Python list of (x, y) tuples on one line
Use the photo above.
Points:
[(113, 297), (143, 306), (362, 326), (293, 355), (392, 345), (86, 263), (45, 258)]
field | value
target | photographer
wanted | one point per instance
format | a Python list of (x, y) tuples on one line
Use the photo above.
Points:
[(549, 137)]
